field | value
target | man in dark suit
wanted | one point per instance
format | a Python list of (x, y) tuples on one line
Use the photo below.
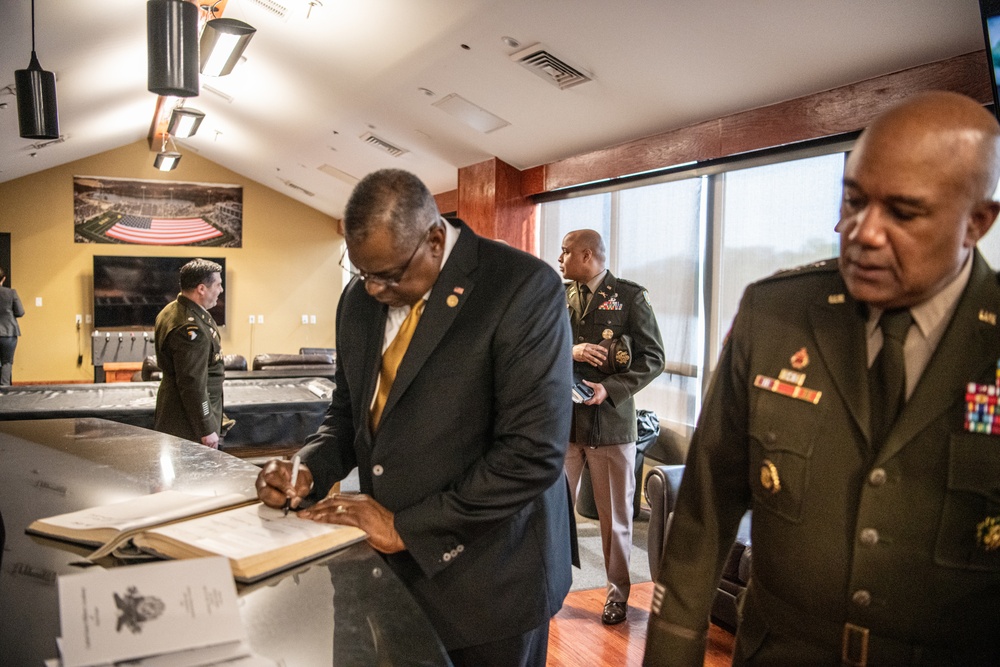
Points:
[(189, 351), (867, 450), (606, 310), (460, 445)]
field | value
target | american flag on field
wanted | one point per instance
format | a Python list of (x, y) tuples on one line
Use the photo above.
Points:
[(162, 231)]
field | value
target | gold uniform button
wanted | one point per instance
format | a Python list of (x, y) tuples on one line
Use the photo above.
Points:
[(869, 537), (862, 598), (877, 477)]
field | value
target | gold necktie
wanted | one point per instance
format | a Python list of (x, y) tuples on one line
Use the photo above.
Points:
[(392, 357)]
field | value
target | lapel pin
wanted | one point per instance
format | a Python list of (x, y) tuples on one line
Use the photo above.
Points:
[(452, 300)]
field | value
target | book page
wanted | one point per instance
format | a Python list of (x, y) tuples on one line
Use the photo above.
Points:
[(248, 531), (142, 511), (143, 610)]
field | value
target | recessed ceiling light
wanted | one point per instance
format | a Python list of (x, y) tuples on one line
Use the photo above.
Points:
[(510, 41), (426, 91)]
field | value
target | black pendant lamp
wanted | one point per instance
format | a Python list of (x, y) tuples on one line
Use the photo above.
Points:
[(172, 47), (37, 115)]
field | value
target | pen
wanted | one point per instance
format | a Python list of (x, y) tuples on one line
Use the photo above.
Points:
[(295, 477)]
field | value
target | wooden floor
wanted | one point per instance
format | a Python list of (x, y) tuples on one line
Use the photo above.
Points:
[(577, 638)]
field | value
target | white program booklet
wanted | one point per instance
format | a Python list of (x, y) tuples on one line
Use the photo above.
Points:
[(140, 611)]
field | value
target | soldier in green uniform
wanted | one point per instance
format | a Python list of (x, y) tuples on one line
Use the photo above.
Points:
[(876, 523), (189, 352), (605, 311)]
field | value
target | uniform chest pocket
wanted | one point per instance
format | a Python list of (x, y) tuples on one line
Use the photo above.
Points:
[(782, 436), (969, 532)]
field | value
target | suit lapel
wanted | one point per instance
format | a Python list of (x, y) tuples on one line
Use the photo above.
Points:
[(839, 329), (448, 296), (364, 381), (970, 345)]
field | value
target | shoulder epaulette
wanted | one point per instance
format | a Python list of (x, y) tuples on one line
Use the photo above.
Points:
[(631, 283), (824, 266)]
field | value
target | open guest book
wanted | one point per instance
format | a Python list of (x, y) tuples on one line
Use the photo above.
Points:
[(257, 540)]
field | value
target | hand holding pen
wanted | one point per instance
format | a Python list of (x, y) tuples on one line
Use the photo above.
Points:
[(295, 477)]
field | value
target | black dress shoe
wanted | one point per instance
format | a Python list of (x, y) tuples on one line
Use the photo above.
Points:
[(614, 613)]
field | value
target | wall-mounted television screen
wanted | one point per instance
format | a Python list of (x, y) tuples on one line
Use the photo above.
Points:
[(990, 11), (131, 291)]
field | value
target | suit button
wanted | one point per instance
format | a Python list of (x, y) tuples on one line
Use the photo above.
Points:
[(377, 470), (869, 537), (877, 477), (861, 598)]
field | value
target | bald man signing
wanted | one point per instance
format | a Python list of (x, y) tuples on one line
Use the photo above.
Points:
[(850, 410)]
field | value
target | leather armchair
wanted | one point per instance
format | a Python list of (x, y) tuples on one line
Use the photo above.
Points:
[(151, 370), (662, 483)]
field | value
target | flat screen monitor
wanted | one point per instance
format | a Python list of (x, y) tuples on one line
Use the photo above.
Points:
[(129, 292), (990, 11)]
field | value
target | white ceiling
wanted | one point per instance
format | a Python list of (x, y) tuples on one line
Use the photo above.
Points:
[(310, 88)]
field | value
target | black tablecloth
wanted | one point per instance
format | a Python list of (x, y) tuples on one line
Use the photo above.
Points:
[(267, 411)]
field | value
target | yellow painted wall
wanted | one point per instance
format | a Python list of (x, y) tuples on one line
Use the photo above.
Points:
[(287, 267)]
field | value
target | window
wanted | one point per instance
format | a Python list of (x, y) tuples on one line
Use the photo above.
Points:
[(761, 219)]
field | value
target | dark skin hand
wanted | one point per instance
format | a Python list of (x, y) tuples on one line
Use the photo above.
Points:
[(350, 509), (594, 355)]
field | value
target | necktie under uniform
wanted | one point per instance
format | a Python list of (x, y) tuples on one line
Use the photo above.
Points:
[(582, 297), (887, 376), (392, 358)]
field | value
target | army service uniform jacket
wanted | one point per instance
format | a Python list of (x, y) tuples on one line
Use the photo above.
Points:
[(189, 352), (618, 307), (902, 543)]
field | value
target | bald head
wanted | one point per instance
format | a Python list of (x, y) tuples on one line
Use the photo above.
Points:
[(918, 196), (954, 132), (583, 255)]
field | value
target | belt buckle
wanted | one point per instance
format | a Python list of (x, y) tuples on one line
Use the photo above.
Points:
[(854, 646)]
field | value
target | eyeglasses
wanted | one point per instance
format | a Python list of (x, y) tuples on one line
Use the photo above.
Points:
[(386, 280)]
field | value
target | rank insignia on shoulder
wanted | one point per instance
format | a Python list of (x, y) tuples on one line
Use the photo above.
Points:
[(800, 359), (787, 389), (834, 299), (988, 317), (645, 295), (769, 477), (988, 533)]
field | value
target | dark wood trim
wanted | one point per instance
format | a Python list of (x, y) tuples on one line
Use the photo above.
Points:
[(447, 202), (837, 111)]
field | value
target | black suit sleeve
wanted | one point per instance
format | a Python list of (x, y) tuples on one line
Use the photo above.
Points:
[(531, 366)]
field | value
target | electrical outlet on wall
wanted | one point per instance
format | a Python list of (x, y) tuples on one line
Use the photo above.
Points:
[(312, 319), (253, 320), (79, 319), (305, 319), (260, 319)]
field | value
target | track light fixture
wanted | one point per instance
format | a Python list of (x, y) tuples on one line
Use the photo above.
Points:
[(184, 122), (37, 115), (222, 44), (172, 47), (167, 160)]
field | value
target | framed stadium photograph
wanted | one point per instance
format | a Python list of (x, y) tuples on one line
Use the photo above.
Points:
[(158, 213)]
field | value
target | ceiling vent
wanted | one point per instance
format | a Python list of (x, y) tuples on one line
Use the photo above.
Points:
[(275, 9), (556, 71), (383, 145), (298, 187)]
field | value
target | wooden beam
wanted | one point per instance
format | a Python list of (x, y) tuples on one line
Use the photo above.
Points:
[(828, 113)]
